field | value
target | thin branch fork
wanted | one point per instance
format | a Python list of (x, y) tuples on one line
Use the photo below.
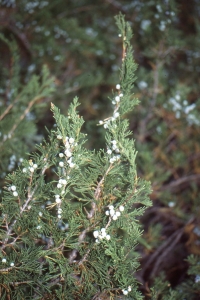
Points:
[(31, 103), (155, 260), (6, 111)]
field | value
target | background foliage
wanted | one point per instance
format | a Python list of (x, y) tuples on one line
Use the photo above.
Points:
[(78, 42)]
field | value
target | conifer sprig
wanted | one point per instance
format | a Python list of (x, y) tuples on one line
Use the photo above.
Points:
[(72, 234)]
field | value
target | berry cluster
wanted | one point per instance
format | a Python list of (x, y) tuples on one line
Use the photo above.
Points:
[(101, 234), (125, 292), (32, 167), (13, 189), (115, 214), (69, 144)]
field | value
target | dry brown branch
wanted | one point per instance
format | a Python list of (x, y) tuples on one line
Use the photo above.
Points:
[(6, 111), (161, 251), (174, 185), (167, 247), (8, 23)]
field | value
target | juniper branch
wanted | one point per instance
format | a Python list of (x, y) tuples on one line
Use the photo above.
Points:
[(97, 194), (30, 197)]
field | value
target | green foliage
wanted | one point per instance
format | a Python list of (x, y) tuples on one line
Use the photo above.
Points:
[(189, 289), (71, 235), (78, 42)]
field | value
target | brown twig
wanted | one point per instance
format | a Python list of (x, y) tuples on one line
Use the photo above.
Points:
[(84, 257), (6, 111), (16, 283), (165, 248), (11, 26), (155, 260), (90, 215), (186, 179), (10, 133)]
